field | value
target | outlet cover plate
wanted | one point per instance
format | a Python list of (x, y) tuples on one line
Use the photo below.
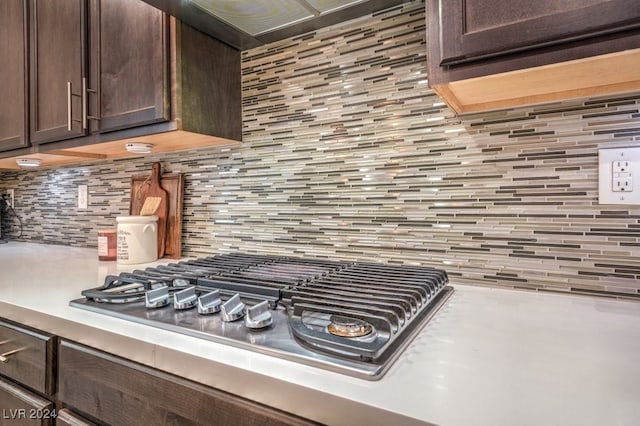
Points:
[(606, 159)]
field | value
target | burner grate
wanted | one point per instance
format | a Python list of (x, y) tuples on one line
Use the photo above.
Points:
[(388, 298)]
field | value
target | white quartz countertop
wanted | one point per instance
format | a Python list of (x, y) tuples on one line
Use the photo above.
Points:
[(489, 357)]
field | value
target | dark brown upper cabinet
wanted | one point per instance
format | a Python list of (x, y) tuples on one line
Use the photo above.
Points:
[(155, 80), (58, 69), (13, 68), (493, 54), (130, 69), (106, 72), (96, 66), (479, 29)]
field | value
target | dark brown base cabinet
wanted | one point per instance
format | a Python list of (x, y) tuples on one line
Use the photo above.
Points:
[(45, 380), (492, 54), (64, 417), (27, 375), (19, 406), (108, 389)]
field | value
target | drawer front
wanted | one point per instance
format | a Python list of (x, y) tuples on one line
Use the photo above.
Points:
[(116, 391), (65, 417), (26, 356), (21, 407)]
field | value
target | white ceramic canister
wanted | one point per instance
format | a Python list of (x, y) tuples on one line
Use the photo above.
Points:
[(137, 239)]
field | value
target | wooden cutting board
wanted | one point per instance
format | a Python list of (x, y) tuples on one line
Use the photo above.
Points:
[(156, 191), (173, 184)]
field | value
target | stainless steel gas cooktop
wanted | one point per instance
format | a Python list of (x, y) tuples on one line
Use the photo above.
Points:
[(352, 318)]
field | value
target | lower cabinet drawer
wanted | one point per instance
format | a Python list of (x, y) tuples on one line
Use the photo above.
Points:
[(27, 356), (109, 389), (21, 407), (64, 417)]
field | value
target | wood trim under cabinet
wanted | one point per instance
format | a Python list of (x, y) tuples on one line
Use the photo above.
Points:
[(176, 140), (580, 78)]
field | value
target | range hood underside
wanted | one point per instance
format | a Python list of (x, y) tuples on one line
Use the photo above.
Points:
[(246, 24)]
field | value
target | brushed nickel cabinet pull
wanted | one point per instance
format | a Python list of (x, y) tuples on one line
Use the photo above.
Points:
[(70, 96), (4, 358), (69, 121), (5, 342), (85, 104)]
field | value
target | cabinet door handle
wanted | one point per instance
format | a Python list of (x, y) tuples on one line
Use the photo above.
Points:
[(85, 104), (5, 342), (69, 94), (4, 358)]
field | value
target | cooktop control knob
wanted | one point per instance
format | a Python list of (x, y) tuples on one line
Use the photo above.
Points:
[(209, 303), (157, 298), (185, 299), (233, 309), (258, 316)]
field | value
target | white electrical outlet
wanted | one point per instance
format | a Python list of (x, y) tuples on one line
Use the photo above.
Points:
[(622, 178), (82, 197), (617, 171)]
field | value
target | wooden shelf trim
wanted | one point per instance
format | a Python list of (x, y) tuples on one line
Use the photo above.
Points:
[(567, 80), (178, 140)]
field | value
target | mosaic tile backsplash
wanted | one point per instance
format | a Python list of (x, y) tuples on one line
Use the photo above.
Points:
[(348, 154)]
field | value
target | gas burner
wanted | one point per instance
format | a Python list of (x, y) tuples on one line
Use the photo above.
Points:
[(348, 327)]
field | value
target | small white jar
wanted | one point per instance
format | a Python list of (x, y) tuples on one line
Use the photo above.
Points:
[(137, 239)]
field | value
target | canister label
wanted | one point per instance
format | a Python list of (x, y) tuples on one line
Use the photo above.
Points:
[(103, 246), (123, 246)]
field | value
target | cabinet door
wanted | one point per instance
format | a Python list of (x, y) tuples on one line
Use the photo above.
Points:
[(133, 64), (57, 67), (29, 356), (13, 89), (66, 417), (132, 394), (480, 29), (20, 407)]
